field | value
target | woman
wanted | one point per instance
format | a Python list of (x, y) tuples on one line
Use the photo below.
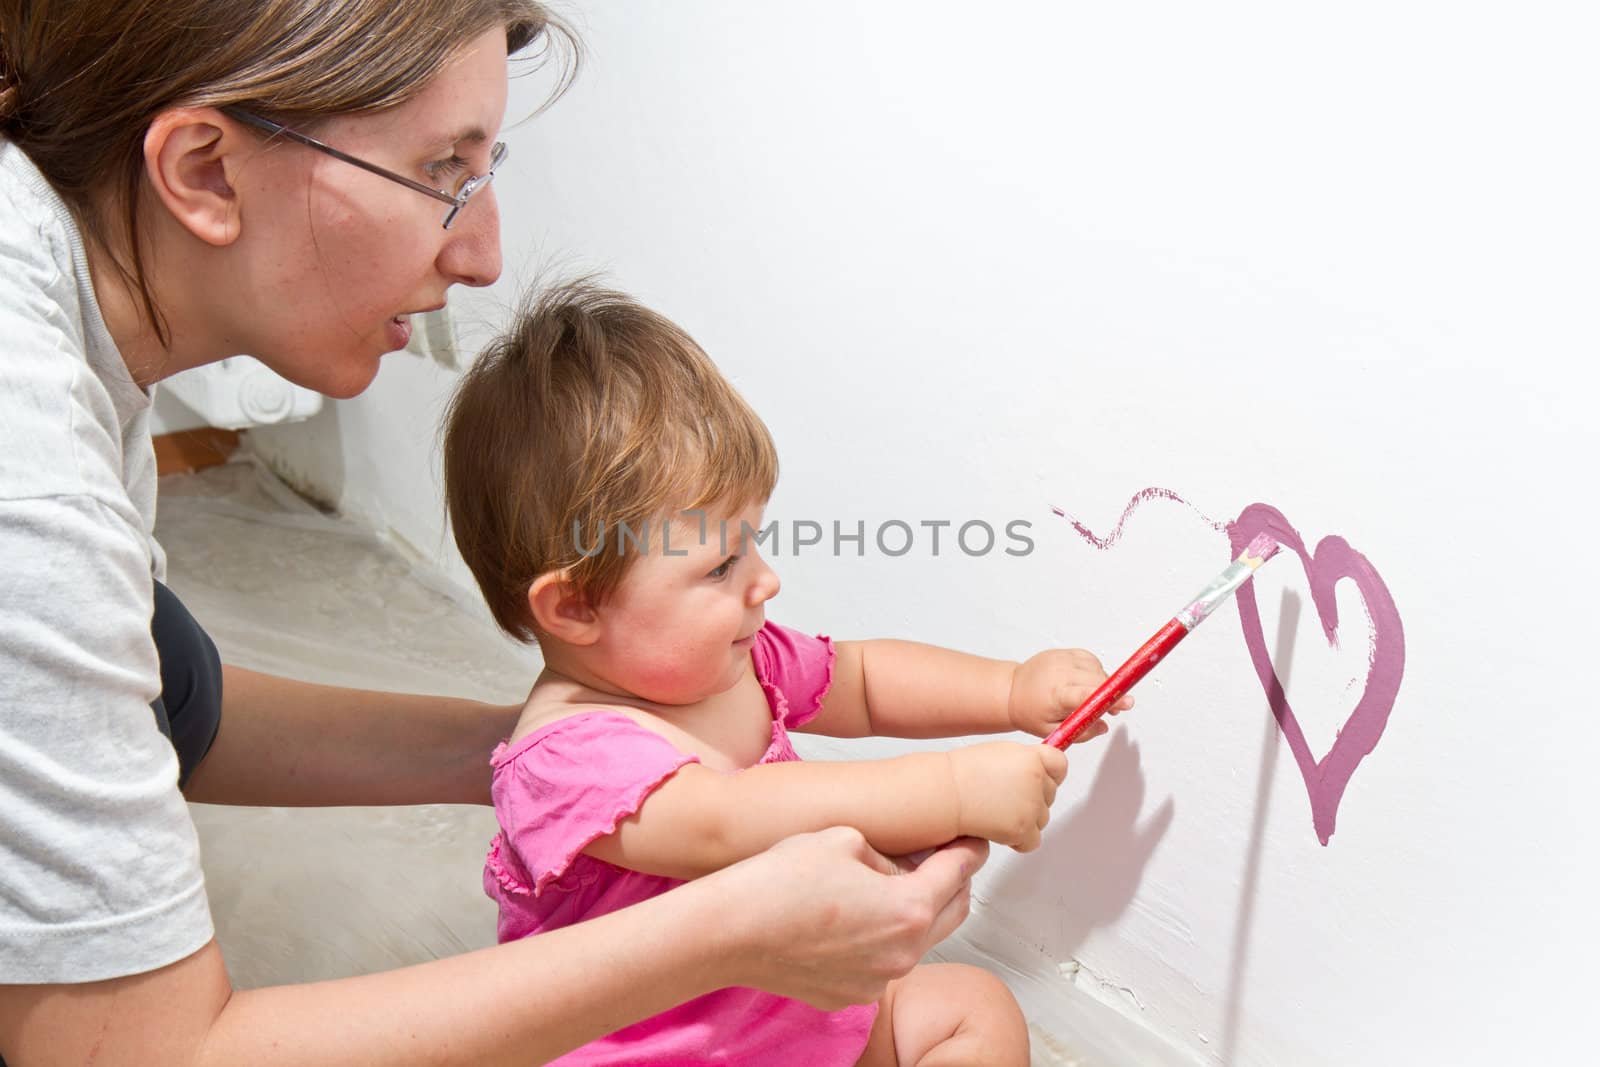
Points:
[(185, 180)]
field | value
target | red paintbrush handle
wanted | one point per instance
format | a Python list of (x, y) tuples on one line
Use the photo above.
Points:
[(1122, 679)]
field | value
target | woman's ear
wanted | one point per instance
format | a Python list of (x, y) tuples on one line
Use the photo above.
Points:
[(562, 611), (192, 156)]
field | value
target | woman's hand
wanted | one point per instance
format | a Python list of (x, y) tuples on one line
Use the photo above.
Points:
[(1048, 687), (827, 919)]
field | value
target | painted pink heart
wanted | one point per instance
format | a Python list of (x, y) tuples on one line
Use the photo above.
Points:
[(1332, 561)]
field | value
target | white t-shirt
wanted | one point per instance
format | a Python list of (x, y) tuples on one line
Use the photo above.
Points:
[(99, 863)]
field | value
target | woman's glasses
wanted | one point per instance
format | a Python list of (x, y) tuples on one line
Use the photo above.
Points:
[(457, 200)]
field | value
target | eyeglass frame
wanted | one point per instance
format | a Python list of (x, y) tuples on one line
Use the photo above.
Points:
[(473, 182)]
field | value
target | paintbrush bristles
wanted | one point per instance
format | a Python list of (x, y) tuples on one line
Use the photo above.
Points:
[(1261, 549)]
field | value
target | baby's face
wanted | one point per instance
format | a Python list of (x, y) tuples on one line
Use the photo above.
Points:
[(679, 626)]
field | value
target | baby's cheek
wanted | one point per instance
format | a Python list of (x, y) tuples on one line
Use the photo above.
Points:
[(680, 679)]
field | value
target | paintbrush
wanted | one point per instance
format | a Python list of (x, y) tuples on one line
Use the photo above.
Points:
[(1154, 650)]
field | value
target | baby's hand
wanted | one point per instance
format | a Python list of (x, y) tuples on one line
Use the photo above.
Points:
[(1048, 687), (1004, 790)]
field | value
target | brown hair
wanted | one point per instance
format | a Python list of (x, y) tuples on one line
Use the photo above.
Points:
[(590, 412), (80, 80)]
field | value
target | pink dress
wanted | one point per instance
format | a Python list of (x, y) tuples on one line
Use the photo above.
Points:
[(572, 781)]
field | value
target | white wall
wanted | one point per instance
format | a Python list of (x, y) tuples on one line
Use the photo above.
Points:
[(970, 261)]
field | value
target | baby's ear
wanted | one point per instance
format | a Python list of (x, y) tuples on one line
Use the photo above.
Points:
[(562, 610)]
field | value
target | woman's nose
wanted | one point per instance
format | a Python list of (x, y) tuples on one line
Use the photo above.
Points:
[(471, 253)]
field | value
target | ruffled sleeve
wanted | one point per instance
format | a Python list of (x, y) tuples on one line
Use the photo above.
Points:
[(796, 671), (572, 782)]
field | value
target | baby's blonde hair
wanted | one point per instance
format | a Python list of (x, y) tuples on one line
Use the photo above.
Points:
[(591, 412)]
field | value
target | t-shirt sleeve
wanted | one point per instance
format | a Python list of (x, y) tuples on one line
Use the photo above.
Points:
[(99, 861), (573, 782), (795, 669)]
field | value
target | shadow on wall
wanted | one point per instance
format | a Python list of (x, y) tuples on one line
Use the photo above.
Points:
[(1250, 881), (1105, 828), (307, 456)]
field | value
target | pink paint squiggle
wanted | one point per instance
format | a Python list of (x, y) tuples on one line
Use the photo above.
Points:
[(1139, 498), (1330, 562)]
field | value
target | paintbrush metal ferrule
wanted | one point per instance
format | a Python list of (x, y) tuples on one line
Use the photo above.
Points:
[(1228, 582), (1208, 599)]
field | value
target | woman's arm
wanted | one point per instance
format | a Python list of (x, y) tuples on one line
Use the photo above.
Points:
[(821, 918), (887, 688), (287, 742)]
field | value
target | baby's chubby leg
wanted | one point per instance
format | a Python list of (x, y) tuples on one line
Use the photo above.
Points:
[(947, 1015)]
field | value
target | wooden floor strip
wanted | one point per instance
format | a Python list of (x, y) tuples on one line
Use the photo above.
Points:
[(190, 450)]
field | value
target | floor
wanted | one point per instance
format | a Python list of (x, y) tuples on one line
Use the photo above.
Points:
[(284, 588), (307, 894)]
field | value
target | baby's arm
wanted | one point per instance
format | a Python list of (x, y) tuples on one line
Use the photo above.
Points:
[(888, 688), (700, 820)]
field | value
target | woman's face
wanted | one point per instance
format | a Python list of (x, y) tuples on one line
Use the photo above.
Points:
[(336, 259)]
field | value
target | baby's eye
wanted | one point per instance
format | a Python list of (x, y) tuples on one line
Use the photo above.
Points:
[(724, 568)]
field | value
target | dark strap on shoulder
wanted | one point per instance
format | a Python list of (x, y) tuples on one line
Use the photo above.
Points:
[(189, 709)]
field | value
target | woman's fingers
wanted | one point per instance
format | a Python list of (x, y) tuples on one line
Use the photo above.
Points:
[(946, 876)]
